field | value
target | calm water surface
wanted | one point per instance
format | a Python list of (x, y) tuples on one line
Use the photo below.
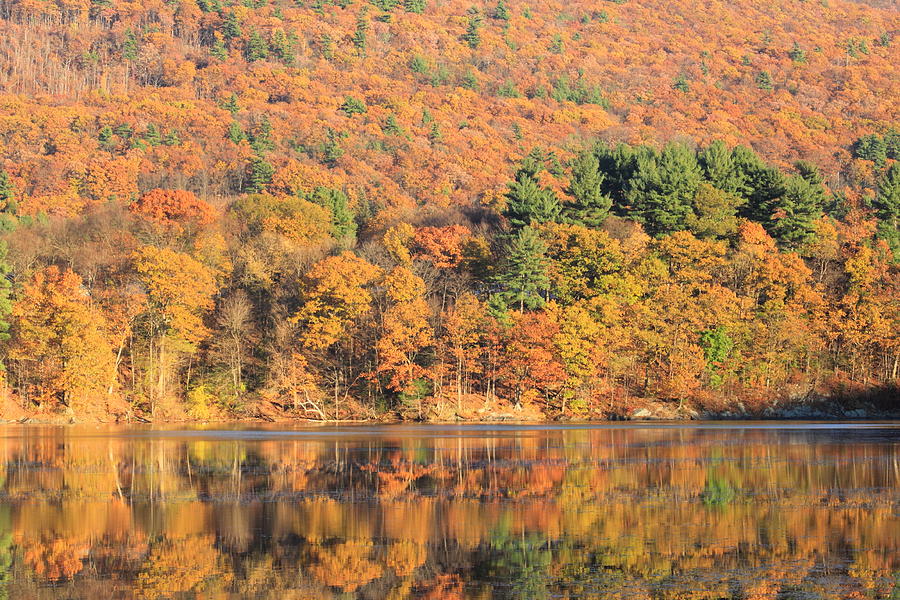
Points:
[(658, 511)]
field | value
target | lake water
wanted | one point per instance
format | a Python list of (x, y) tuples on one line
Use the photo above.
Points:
[(643, 511)]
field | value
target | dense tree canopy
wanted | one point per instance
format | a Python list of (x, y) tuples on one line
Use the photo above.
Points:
[(339, 209)]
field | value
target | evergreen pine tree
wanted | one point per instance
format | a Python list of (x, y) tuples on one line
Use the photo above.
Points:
[(414, 6), (892, 143), (812, 175), (231, 105), (434, 133), (235, 133), (719, 168), (259, 175), (792, 215), (887, 208), (362, 27), (526, 201), (391, 127), (352, 106), (343, 220), (472, 36), (231, 27), (326, 47), (524, 280), (152, 135), (469, 81), (283, 47), (590, 206), (129, 46), (8, 202), (556, 45), (872, 147), (218, 50), (104, 136), (661, 191), (331, 148), (760, 185), (123, 131), (797, 54), (618, 164), (257, 48), (8, 205), (764, 81), (501, 12), (261, 140), (5, 295)]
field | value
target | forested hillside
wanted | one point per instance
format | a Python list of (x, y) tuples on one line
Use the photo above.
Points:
[(439, 209)]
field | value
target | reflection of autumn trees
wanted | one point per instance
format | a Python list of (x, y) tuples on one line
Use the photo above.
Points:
[(558, 512), (185, 565), (404, 557), (346, 565), (55, 559)]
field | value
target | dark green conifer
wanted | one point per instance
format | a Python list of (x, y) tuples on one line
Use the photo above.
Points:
[(527, 202), (231, 27), (502, 11), (257, 48), (590, 206), (472, 36), (235, 133), (360, 35), (523, 278)]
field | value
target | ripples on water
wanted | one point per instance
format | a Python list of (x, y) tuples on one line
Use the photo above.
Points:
[(656, 511)]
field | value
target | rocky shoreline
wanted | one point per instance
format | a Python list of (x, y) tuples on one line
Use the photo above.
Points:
[(818, 411), (651, 412)]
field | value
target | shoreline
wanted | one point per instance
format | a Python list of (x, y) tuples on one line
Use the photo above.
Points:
[(787, 415), (816, 408)]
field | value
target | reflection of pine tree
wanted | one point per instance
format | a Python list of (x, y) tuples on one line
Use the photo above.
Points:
[(521, 560), (718, 491)]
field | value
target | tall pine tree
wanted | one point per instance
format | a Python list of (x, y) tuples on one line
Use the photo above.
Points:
[(523, 280), (661, 191), (887, 208), (527, 202), (760, 184), (472, 36), (360, 39), (342, 217), (9, 208), (590, 206), (5, 293), (719, 168), (792, 215), (257, 48)]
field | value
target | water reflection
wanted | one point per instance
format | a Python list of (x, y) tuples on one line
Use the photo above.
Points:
[(451, 512)]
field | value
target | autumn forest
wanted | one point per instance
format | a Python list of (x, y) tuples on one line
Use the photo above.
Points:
[(445, 209)]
